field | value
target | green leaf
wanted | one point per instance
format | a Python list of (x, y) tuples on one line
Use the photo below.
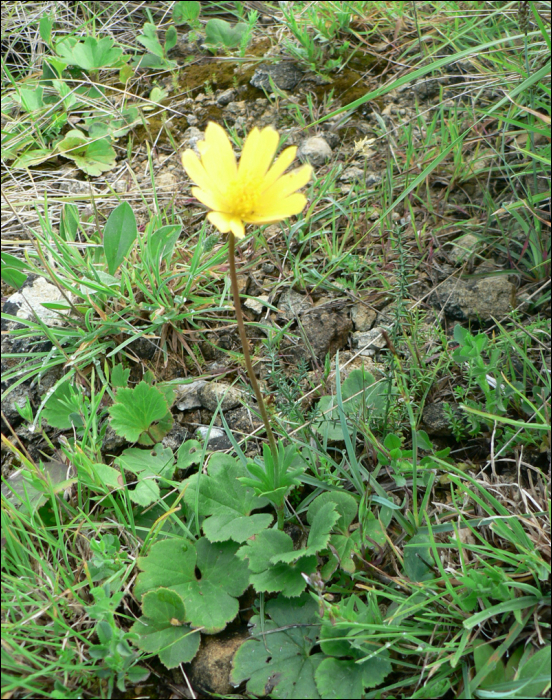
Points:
[(188, 453), (218, 32), (162, 630), (186, 12), (171, 37), (270, 577), (135, 410), (69, 222), (119, 376), (281, 664), (319, 535), (345, 505), (92, 157), (149, 466), (14, 278), (33, 157), (418, 560), (161, 243), (226, 501), (210, 595), (149, 39), (90, 54), (45, 29), (119, 234), (63, 406)]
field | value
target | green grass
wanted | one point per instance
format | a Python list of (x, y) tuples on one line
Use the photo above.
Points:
[(447, 588)]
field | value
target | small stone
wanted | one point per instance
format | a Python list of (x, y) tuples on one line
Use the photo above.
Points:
[(175, 437), (436, 421), (192, 119), (369, 342), (363, 317), (268, 268), (244, 421), (218, 440), (255, 304), (213, 393), (293, 304), (463, 248), (315, 150), (476, 299), (284, 75), (352, 173), (29, 299), (212, 666), (243, 283), (112, 441), (326, 331), (187, 395), (226, 97)]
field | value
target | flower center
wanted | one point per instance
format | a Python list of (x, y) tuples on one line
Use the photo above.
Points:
[(243, 194)]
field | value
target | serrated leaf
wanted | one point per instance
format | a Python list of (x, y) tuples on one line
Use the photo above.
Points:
[(149, 466), (210, 597), (119, 376), (280, 664), (269, 577), (136, 409), (345, 505), (62, 408), (162, 630), (319, 535), (93, 157), (119, 234), (418, 559), (226, 502)]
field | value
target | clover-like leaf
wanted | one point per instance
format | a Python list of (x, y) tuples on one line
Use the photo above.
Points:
[(162, 630), (280, 664), (149, 466), (226, 501), (93, 157), (219, 32), (208, 577), (90, 54), (261, 549), (135, 410)]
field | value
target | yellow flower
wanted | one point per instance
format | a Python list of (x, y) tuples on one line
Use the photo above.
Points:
[(253, 192)]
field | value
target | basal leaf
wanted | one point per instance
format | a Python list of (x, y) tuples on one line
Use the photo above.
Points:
[(62, 408), (119, 234), (219, 32), (418, 560), (319, 535), (273, 577), (136, 409), (149, 466), (162, 629), (208, 577), (345, 505), (188, 453), (92, 53), (280, 664), (226, 501)]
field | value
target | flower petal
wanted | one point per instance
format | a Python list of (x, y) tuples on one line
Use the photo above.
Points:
[(217, 155), (257, 153), (284, 160), (279, 210), (220, 220), (196, 171), (237, 227), (283, 187), (210, 198)]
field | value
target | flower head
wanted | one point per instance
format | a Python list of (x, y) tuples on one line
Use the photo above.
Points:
[(255, 191)]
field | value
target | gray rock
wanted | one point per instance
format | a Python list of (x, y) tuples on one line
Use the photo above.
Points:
[(243, 421), (218, 440), (326, 332), (315, 150), (476, 299), (112, 442), (255, 304), (332, 138), (187, 395), (175, 437), (16, 398), (284, 75), (436, 421), (293, 304), (225, 97), (213, 393), (463, 248), (28, 301), (369, 342), (363, 317)]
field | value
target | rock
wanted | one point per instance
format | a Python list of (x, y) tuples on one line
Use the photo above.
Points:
[(352, 173), (226, 97), (436, 421), (175, 437), (326, 331), (255, 304), (191, 136), (369, 342), (16, 398), (213, 393), (112, 442), (476, 299), (284, 75), (211, 668), (293, 304), (142, 347), (187, 395), (332, 138), (244, 421), (463, 248), (28, 301), (315, 150), (218, 440), (363, 317), (268, 268)]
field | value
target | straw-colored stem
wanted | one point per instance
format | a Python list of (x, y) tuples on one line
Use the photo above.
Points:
[(245, 347)]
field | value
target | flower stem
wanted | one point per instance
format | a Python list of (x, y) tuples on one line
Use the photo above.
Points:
[(245, 347)]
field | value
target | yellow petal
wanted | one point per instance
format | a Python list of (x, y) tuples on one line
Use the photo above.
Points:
[(237, 227), (278, 210), (284, 160), (217, 155), (196, 171), (220, 220), (209, 198), (257, 153), (283, 187)]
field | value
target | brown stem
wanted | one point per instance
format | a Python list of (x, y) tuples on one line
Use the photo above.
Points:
[(245, 346)]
